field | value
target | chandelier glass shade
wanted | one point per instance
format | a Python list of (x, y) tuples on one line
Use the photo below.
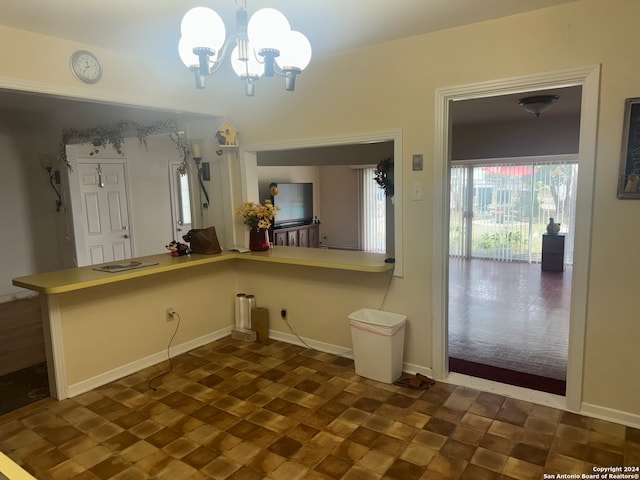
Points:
[(264, 45)]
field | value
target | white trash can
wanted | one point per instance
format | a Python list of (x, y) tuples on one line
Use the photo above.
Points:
[(378, 344)]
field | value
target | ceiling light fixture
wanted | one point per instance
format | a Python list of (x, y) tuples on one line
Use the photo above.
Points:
[(262, 46), (538, 104)]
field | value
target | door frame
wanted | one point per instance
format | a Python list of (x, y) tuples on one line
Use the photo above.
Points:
[(175, 195), (588, 78)]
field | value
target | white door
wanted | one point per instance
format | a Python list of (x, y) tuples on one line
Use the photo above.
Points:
[(180, 201), (104, 225)]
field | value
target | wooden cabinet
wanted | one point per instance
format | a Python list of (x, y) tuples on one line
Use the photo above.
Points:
[(292, 238), (280, 237), (302, 236), (314, 236), (552, 253)]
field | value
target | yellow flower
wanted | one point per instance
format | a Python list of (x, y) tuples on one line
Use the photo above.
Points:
[(256, 214)]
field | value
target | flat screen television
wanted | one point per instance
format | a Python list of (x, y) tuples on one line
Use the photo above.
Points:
[(295, 201)]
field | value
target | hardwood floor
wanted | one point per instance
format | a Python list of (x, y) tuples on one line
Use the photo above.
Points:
[(510, 315)]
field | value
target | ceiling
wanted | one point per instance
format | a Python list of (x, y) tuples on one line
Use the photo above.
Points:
[(151, 27)]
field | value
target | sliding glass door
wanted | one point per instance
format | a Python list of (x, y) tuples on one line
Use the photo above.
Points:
[(499, 211)]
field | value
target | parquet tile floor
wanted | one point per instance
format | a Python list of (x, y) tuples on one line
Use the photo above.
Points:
[(241, 411)]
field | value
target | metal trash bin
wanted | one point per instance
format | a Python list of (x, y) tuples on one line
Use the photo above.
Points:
[(378, 344)]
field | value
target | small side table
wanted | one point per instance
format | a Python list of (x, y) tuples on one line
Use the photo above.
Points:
[(552, 253)]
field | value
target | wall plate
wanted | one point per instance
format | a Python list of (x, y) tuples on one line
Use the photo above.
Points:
[(417, 162)]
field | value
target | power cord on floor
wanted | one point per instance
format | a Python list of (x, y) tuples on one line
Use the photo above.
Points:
[(286, 320), (386, 291), (174, 314)]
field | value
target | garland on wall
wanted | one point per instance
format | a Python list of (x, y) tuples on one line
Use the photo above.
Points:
[(383, 176), (115, 135)]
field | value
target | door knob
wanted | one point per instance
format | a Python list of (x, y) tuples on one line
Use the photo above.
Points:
[(126, 236)]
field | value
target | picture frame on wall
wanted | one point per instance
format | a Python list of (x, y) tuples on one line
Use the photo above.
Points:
[(629, 177)]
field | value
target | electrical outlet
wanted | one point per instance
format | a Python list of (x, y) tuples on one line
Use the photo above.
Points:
[(170, 314), (283, 313)]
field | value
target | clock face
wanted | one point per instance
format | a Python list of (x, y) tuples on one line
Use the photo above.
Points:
[(86, 66)]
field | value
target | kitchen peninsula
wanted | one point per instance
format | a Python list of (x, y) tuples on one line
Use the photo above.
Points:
[(100, 326)]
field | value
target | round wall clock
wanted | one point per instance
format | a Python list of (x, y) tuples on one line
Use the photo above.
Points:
[(86, 66)]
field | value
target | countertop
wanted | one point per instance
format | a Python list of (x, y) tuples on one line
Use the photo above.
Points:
[(72, 279)]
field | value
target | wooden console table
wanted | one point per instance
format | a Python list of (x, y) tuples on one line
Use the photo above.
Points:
[(302, 236)]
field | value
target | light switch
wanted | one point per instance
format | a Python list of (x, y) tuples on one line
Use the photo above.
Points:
[(416, 191), (417, 162)]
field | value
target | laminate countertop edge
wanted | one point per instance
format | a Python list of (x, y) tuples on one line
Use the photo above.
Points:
[(71, 279)]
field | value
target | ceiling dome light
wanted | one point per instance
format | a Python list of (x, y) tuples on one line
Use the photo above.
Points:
[(538, 104)]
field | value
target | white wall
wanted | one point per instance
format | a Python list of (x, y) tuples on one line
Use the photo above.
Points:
[(28, 214), (528, 137), (339, 203)]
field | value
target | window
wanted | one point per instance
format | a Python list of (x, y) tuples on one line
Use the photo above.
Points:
[(500, 211)]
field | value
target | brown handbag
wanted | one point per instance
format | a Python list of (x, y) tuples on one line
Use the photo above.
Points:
[(203, 240)]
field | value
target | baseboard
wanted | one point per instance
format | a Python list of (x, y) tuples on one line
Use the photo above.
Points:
[(409, 368), (611, 415), (412, 369), (10, 297), (133, 367)]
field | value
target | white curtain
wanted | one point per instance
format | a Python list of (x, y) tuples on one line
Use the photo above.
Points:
[(373, 232), (499, 211)]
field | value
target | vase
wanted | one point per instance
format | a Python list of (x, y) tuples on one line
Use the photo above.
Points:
[(258, 239), (553, 228)]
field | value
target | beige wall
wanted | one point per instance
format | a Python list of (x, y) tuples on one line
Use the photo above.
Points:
[(391, 86), (340, 207), (119, 324)]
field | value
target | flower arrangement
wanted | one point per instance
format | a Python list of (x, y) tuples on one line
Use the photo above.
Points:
[(257, 215)]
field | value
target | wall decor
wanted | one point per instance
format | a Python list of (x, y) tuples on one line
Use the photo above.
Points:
[(629, 177), (103, 135)]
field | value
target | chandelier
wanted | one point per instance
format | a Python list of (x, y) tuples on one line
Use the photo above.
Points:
[(264, 45)]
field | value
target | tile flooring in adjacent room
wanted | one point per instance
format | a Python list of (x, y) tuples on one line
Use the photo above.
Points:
[(510, 315), (235, 410)]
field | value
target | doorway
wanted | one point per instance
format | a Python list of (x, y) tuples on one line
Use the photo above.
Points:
[(508, 317), (180, 201), (588, 79)]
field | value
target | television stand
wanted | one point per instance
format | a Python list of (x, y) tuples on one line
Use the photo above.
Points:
[(298, 236)]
